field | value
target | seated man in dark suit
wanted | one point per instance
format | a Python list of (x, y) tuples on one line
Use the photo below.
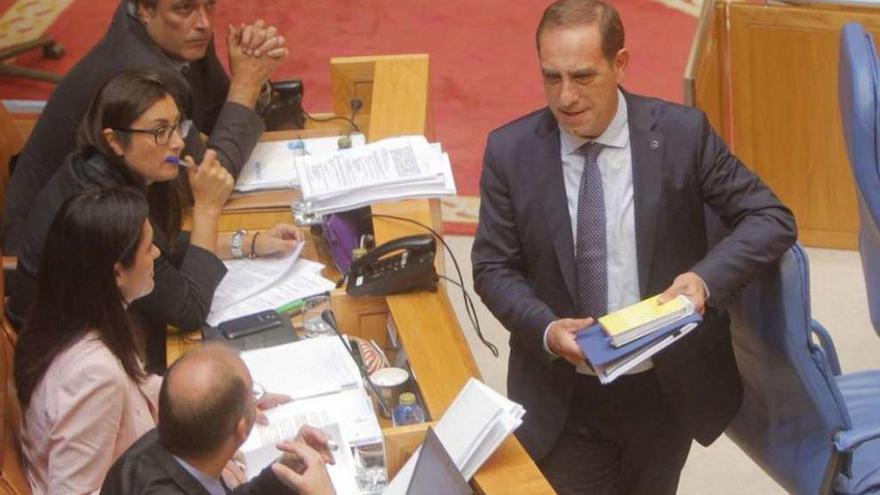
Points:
[(206, 411), (154, 34)]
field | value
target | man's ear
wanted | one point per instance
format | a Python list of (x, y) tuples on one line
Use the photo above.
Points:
[(621, 61), (242, 430), (144, 13), (114, 141)]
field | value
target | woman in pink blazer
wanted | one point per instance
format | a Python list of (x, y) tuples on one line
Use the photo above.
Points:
[(82, 388)]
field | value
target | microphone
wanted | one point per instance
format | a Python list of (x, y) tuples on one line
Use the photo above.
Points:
[(330, 319), (344, 142)]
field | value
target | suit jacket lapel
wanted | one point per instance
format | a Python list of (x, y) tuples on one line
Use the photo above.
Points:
[(555, 206), (646, 145)]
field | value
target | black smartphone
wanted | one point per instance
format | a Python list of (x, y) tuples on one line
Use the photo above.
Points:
[(255, 331)]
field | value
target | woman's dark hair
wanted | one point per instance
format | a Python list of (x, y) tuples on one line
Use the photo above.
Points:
[(76, 286), (120, 102)]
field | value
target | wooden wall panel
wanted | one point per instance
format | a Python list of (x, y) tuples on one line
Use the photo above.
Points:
[(786, 121)]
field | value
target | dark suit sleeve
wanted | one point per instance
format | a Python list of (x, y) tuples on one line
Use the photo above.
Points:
[(499, 264), (762, 228), (234, 136), (264, 484), (185, 283)]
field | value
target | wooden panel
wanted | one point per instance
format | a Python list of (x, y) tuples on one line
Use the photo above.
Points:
[(786, 121), (400, 83), (706, 77), (401, 443), (365, 317)]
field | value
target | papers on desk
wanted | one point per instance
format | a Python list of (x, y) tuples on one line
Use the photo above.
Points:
[(473, 427), (328, 393), (251, 286), (271, 165), (386, 170)]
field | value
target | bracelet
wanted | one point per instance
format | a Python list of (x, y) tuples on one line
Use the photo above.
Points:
[(254, 245)]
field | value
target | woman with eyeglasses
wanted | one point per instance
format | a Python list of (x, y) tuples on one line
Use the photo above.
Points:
[(132, 135)]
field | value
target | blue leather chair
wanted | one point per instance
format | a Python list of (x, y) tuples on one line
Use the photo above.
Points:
[(812, 429), (859, 92)]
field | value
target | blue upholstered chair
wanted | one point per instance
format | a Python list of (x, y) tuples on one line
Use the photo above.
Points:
[(812, 429), (859, 91)]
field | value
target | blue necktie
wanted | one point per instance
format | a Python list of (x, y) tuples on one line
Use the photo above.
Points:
[(591, 252)]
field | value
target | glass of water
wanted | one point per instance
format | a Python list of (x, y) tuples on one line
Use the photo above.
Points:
[(370, 472), (313, 324)]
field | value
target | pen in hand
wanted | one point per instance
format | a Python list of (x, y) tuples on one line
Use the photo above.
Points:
[(177, 161)]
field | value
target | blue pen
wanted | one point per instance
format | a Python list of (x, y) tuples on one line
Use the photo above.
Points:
[(176, 161)]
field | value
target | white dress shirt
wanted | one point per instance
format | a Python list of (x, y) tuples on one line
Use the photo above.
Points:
[(615, 166)]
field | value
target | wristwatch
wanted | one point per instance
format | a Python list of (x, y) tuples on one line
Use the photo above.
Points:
[(237, 238)]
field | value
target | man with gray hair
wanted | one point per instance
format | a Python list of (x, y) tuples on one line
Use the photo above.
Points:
[(207, 408)]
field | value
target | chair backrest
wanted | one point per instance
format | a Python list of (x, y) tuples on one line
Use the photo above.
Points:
[(11, 143), (13, 480), (859, 95), (791, 405)]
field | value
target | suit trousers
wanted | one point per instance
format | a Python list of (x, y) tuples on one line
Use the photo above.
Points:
[(621, 438)]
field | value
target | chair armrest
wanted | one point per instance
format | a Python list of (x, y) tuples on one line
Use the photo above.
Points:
[(826, 346), (847, 441)]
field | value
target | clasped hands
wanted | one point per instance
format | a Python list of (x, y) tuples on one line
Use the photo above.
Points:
[(255, 51), (561, 333)]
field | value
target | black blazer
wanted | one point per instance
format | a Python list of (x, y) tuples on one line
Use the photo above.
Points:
[(147, 468), (523, 255), (185, 276), (234, 129)]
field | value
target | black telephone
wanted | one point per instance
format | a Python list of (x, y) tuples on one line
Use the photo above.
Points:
[(396, 266)]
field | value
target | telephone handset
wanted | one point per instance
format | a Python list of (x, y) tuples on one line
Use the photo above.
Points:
[(396, 266)]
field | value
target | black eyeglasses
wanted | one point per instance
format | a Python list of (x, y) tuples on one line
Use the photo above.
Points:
[(162, 134)]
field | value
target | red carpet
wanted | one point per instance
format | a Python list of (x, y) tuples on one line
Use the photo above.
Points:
[(485, 69)]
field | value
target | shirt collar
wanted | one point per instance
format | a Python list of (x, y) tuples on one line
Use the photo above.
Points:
[(616, 135), (211, 485)]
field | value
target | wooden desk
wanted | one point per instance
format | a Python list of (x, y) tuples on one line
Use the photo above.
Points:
[(394, 90)]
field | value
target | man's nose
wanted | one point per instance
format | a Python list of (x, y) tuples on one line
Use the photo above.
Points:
[(567, 93), (203, 18)]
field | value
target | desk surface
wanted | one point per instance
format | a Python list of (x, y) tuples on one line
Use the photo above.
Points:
[(395, 93)]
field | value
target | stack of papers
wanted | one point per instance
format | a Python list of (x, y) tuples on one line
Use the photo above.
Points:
[(323, 379), (271, 165), (254, 285), (387, 170), (642, 318), (635, 334), (473, 427)]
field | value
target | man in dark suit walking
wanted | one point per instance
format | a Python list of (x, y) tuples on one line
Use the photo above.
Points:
[(588, 206)]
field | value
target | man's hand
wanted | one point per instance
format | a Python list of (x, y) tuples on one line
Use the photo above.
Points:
[(302, 469), (258, 39), (687, 284), (560, 338), (268, 401), (318, 441), (250, 73), (280, 239)]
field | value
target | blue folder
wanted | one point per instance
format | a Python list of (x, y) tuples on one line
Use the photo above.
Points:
[(607, 359)]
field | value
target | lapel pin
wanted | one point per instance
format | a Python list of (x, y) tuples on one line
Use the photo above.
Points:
[(654, 144)]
